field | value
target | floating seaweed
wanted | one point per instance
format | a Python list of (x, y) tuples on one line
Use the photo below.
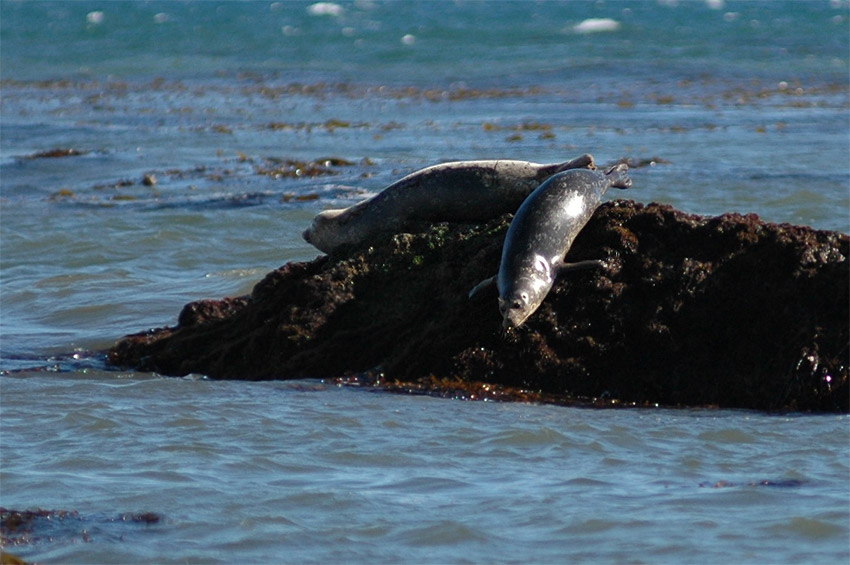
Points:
[(57, 153), (292, 168), (26, 527)]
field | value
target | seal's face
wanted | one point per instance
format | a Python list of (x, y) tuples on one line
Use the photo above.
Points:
[(512, 309), (519, 305), (324, 232), (520, 297)]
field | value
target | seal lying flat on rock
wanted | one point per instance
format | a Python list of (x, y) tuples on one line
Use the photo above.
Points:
[(462, 191), (542, 232)]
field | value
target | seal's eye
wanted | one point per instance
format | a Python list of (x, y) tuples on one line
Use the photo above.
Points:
[(520, 301)]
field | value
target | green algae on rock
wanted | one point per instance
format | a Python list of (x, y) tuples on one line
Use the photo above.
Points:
[(726, 311)]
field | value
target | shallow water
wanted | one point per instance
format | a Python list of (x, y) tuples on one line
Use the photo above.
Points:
[(738, 109), (310, 472)]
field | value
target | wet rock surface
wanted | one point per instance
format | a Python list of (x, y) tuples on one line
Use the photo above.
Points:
[(726, 311)]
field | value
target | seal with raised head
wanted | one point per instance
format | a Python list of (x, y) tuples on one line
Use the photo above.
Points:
[(461, 191), (540, 235)]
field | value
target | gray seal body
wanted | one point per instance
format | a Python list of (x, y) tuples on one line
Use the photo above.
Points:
[(541, 233), (462, 191)]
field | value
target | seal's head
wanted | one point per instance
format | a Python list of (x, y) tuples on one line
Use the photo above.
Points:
[(324, 233), (514, 310), (522, 301)]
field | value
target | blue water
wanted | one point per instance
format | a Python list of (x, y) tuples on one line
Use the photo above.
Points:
[(528, 43), (742, 107)]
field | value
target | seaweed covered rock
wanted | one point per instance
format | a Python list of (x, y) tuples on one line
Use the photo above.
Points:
[(725, 311)]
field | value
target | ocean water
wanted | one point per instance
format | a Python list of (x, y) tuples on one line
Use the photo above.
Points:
[(226, 108)]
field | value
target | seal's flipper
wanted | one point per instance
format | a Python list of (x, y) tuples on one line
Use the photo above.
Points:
[(482, 285), (589, 264)]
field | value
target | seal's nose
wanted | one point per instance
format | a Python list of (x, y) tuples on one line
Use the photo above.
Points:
[(513, 317), (306, 236)]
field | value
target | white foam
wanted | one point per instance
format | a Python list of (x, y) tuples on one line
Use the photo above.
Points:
[(95, 17), (595, 25), (324, 9)]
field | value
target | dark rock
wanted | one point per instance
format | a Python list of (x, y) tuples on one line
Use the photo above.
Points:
[(726, 311)]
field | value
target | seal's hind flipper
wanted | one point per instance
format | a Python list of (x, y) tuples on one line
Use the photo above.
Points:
[(581, 162), (618, 175), (482, 285)]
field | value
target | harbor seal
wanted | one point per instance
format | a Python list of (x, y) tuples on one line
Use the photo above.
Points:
[(461, 191), (540, 235)]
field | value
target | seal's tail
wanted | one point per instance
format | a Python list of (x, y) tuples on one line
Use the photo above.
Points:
[(618, 175)]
